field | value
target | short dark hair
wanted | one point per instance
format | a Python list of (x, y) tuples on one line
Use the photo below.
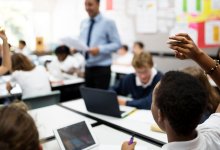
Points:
[(182, 99), (140, 44), (63, 49), (98, 1), (22, 42), (125, 47)]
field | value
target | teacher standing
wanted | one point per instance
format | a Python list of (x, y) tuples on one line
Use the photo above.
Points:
[(101, 36)]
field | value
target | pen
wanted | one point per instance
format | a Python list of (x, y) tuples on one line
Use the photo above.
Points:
[(131, 140)]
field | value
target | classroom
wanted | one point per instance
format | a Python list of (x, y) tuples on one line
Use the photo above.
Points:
[(109, 74)]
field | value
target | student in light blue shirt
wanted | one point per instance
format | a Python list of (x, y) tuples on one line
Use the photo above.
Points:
[(101, 36)]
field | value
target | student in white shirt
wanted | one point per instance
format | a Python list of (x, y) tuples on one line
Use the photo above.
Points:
[(64, 60), (138, 47), (184, 48), (123, 57), (22, 48), (179, 101), (32, 79), (81, 61)]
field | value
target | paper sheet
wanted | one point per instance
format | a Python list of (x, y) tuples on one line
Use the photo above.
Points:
[(146, 20), (74, 43)]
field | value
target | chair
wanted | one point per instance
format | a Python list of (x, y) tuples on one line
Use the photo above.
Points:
[(43, 100)]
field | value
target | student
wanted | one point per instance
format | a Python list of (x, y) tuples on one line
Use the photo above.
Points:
[(139, 84), (22, 48), (81, 61), (64, 60), (5, 53), (17, 130), (179, 101), (32, 79), (184, 48), (213, 96), (138, 47), (123, 57)]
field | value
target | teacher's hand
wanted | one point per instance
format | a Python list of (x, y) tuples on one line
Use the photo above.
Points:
[(94, 51)]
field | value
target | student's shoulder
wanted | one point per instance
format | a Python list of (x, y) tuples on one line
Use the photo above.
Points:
[(211, 124), (159, 74), (40, 68)]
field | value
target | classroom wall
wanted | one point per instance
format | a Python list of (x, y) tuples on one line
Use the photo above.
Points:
[(54, 19)]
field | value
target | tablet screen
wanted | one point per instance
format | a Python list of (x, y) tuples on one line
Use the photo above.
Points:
[(76, 136)]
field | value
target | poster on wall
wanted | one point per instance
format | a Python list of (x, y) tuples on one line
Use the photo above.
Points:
[(212, 32), (204, 16), (215, 4), (146, 19)]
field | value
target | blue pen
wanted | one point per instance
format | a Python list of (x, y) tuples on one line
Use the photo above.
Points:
[(131, 140)]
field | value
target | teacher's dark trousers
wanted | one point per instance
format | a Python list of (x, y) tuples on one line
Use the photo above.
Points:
[(98, 77)]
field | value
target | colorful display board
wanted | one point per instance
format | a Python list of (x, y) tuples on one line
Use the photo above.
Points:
[(202, 16)]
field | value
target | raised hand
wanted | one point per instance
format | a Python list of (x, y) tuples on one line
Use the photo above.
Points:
[(184, 46), (2, 34)]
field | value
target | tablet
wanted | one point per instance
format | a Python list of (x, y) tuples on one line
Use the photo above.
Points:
[(77, 136)]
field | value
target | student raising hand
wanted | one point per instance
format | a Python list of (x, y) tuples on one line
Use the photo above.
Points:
[(184, 47), (6, 61), (126, 146), (2, 34)]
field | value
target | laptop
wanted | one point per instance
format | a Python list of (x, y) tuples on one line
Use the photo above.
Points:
[(104, 102)]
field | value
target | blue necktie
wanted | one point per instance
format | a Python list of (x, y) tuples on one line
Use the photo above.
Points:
[(92, 21)]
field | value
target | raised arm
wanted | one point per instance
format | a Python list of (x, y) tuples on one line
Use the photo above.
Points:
[(184, 48), (6, 60)]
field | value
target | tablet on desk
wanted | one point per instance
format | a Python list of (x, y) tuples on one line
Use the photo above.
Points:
[(77, 136)]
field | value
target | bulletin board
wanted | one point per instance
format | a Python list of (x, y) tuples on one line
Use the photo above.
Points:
[(153, 21), (202, 16)]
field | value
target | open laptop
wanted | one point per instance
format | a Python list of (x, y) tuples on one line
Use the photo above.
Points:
[(104, 102)]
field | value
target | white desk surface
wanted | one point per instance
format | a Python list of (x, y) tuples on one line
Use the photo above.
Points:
[(51, 117), (140, 121), (3, 91), (122, 69), (74, 80), (109, 139)]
